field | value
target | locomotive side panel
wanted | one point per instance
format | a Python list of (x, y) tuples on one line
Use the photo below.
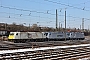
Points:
[(57, 35), (79, 35), (43, 36), (35, 35), (76, 35), (23, 35)]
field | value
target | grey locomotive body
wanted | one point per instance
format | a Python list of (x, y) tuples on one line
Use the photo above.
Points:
[(43, 36)]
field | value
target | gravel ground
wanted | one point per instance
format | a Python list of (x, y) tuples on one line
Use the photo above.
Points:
[(87, 37)]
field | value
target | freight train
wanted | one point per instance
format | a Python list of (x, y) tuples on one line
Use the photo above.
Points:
[(21, 37)]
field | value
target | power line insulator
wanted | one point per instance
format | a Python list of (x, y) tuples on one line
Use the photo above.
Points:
[(20, 14), (84, 8), (29, 14), (9, 16)]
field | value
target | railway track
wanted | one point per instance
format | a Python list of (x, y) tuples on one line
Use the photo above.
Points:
[(59, 50), (5, 45), (73, 52)]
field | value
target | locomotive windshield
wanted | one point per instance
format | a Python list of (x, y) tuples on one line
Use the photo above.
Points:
[(11, 33), (46, 34), (68, 34)]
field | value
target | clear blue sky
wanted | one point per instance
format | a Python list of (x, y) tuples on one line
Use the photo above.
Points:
[(43, 11)]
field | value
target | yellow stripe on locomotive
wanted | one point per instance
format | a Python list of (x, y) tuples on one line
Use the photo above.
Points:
[(11, 36)]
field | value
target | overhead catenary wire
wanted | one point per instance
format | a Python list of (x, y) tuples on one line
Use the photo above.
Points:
[(83, 2), (26, 15), (25, 10), (40, 12), (25, 19), (33, 21), (31, 11), (21, 16), (37, 12), (66, 5)]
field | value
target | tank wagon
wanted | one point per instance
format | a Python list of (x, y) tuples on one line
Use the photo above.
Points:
[(20, 37)]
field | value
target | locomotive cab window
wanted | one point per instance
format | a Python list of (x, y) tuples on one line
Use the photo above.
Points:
[(68, 34), (71, 34), (50, 34), (46, 34), (16, 33), (11, 33)]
